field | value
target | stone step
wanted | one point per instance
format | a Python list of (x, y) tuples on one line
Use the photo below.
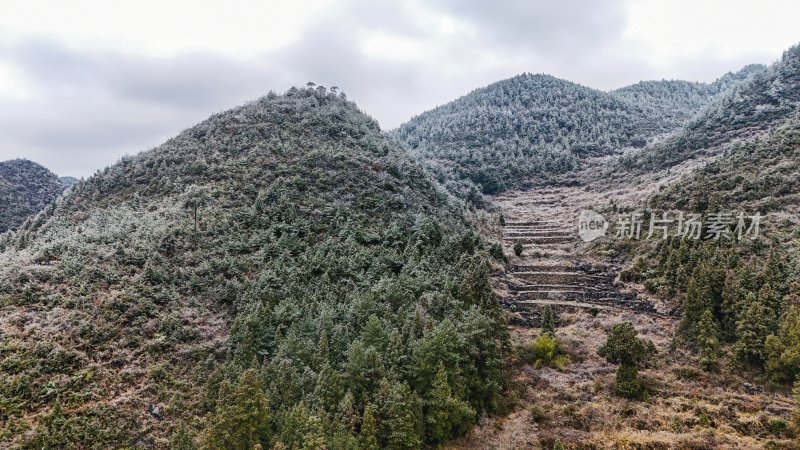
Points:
[(552, 223), (560, 277), (574, 304), (593, 287), (591, 270), (540, 240), (536, 230), (603, 297), (536, 233)]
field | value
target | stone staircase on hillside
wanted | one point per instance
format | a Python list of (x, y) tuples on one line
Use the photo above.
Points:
[(549, 274)]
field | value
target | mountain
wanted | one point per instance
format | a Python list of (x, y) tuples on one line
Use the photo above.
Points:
[(25, 189), (758, 174), (737, 297), (535, 126), (282, 273), (68, 181), (667, 104), (759, 103)]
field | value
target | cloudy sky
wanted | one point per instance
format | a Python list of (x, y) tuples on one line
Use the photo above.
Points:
[(83, 82)]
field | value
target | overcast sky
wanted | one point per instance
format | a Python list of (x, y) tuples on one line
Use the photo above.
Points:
[(85, 82)]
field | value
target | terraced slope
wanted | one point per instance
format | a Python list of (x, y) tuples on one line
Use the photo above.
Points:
[(550, 270)]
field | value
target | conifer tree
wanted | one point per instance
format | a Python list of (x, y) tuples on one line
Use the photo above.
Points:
[(731, 305), (368, 436), (446, 416), (398, 420), (548, 320), (783, 349), (707, 341), (753, 328), (242, 418), (623, 347)]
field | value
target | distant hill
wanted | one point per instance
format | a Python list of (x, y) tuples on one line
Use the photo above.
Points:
[(68, 181), (760, 174), (25, 189), (535, 126), (666, 105), (764, 100), (283, 264)]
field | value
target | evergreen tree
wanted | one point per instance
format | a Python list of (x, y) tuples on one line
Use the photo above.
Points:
[(368, 436), (548, 320), (783, 349), (242, 418), (518, 248), (753, 328), (707, 341), (623, 347), (301, 430), (446, 416), (627, 383), (399, 427), (731, 306)]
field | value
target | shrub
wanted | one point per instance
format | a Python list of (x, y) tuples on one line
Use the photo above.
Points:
[(627, 383), (518, 248), (545, 351), (625, 348)]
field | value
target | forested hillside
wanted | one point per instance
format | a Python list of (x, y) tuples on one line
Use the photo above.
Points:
[(25, 188), (282, 274), (761, 102), (537, 126), (667, 104), (739, 298)]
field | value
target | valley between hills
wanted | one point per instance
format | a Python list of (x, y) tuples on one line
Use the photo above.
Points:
[(572, 405)]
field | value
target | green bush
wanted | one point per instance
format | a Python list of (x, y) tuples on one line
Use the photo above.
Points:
[(545, 351)]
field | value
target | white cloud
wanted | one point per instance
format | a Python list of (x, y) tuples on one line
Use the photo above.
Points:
[(85, 81)]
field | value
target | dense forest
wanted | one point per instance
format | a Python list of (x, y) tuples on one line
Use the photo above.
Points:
[(25, 189), (738, 298), (538, 126), (280, 275), (754, 106)]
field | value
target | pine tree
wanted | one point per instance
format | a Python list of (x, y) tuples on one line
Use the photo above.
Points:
[(518, 248), (446, 416), (398, 420), (548, 320), (368, 436), (783, 349), (731, 306), (242, 417), (707, 341), (301, 430), (752, 330), (623, 347), (699, 298)]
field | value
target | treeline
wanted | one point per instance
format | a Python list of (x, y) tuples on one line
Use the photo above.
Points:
[(25, 189)]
